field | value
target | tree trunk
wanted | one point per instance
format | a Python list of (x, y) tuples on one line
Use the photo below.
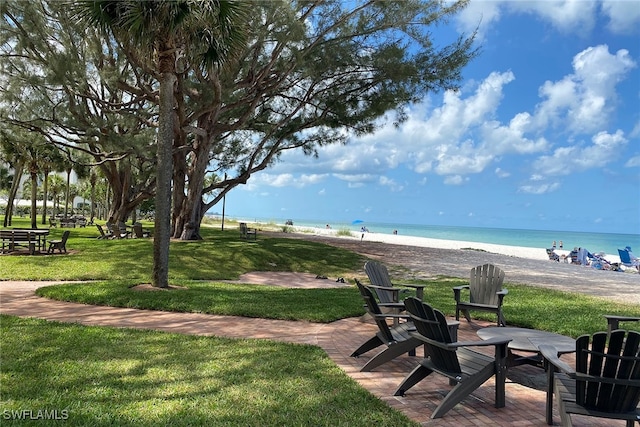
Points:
[(45, 190), (162, 223), (191, 214), (17, 176), (34, 199), (66, 196), (93, 196)]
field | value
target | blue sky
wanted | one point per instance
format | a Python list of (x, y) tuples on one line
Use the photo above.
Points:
[(544, 134)]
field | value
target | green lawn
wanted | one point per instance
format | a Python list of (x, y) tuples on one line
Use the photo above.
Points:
[(105, 376), (98, 376)]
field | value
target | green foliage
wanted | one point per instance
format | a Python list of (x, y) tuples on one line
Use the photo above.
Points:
[(123, 377), (287, 229)]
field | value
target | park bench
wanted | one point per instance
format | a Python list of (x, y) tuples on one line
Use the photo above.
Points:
[(14, 238)]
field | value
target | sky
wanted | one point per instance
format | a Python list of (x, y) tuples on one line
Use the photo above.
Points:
[(544, 134)]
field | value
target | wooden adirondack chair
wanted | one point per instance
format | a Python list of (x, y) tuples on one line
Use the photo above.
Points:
[(103, 235), (605, 382), (466, 369), (60, 245), (485, 292), (396, 338), (386, 291)]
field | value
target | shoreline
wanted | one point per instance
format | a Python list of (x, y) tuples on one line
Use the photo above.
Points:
[(426, 242)]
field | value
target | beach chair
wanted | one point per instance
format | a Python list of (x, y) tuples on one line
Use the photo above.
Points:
[(553, 256), (387, 291), (605, 382), (396, 338), (466, 369), (485, 292), (625, 259)]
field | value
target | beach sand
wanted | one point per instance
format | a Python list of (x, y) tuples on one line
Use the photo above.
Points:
[(410, 257), (396, 239)]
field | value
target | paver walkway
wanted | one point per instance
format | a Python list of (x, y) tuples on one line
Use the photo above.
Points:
[(525, 403)]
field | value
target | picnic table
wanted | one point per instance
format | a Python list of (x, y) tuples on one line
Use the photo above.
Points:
[(35, 240)]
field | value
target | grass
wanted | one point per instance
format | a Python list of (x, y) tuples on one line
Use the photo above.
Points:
[(105, 376), (221, 255), (269, 302), (119, 377)]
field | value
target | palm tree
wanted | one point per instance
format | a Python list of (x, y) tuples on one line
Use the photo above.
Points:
[(203, 33)]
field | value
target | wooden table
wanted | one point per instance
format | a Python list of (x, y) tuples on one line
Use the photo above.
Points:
[(32, 238), (527, 341)]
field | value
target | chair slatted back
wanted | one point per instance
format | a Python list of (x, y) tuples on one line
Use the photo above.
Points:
[(137, 230), (373, 309), (608, 377), (65, 236), (485, 280), (432, 324), (379, 276), (624, 257)]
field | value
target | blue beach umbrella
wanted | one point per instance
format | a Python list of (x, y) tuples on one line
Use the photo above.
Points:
[(357, 221)]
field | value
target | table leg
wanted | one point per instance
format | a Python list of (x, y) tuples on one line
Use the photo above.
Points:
[(550, 378)]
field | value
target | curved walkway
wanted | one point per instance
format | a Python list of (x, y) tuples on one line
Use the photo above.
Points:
[(525, 400)]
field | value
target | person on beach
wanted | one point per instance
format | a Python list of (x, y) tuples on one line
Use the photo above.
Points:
[(583, 253), (553, 245), (561, 244)]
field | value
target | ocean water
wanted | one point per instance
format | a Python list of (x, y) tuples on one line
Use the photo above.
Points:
[(609, 243)]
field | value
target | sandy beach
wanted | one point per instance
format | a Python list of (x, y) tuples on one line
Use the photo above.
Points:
[(395, 239), (410, 257)]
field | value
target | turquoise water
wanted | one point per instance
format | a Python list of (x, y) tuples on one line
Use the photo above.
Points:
[(608, 243)]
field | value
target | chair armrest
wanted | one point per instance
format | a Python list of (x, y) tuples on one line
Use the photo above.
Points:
[(501, 295), (392, 305), (453, 345), (457, 290), (391, 316), (484, 343), (410, 285), (385, 288), (550, 355)]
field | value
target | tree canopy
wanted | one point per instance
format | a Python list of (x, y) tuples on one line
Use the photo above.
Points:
[(241, 84)]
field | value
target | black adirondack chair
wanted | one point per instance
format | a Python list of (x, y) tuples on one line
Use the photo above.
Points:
[(396, 338), (605, 382), (466, 369), (387, 291), (60, 245), (485, 292)]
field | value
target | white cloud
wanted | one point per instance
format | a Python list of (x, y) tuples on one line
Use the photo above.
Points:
[(624, 16), (571, 159), (633, 162), (583, 101), (539, 189), (455, 180), (500, 173), (566, 15), (392, 184)]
